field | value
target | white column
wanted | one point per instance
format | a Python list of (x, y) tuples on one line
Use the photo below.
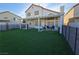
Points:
[(20, 24), (61, 23), (61, 18), (26, 24), (38, 24), (54, 24)]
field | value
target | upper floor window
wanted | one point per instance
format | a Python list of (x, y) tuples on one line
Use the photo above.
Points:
[(36, 12), (28, 14), (14, 19), (5, 17), (50, 14)]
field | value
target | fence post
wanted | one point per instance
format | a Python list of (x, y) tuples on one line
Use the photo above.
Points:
[(69, 33), (7, 26), (62, 28), (1, 27), (75, 42), (58, 29), (65, 31)]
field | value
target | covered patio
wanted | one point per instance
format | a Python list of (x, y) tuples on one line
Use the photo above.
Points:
[(42, 21)]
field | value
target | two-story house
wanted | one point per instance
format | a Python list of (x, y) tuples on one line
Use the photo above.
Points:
[(38, 15)]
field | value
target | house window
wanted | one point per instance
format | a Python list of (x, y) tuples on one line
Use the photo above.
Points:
[(24, 21), (28, 14), (4, 20), (36, 12), (50, 14), (76, 20), (5, 17), (14, 19)]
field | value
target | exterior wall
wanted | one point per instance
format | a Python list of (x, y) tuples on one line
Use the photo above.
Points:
[(76, 13), (42, 12), (69, 15), (32, 10), (48, 13), (10, 17)]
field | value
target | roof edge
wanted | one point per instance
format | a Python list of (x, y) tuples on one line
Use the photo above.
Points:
[(10, 12), (72, 8), (42, 8)]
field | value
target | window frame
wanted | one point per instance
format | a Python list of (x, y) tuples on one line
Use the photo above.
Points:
[(36, 12), (28, 14)]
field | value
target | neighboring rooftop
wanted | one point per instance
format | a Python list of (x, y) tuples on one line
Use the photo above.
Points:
[(9, 12), (72, 8)]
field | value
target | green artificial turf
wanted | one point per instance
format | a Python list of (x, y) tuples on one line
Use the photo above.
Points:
[(33, 42)]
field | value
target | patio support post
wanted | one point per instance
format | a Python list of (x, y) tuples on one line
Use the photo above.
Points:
[(26, 25), (38, 24), (61, 18), (20, 24), (54, 23)]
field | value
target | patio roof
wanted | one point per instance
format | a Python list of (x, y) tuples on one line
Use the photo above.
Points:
[(35, 17)]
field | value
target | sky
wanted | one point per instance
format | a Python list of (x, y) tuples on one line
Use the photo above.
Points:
[(20, 8)]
